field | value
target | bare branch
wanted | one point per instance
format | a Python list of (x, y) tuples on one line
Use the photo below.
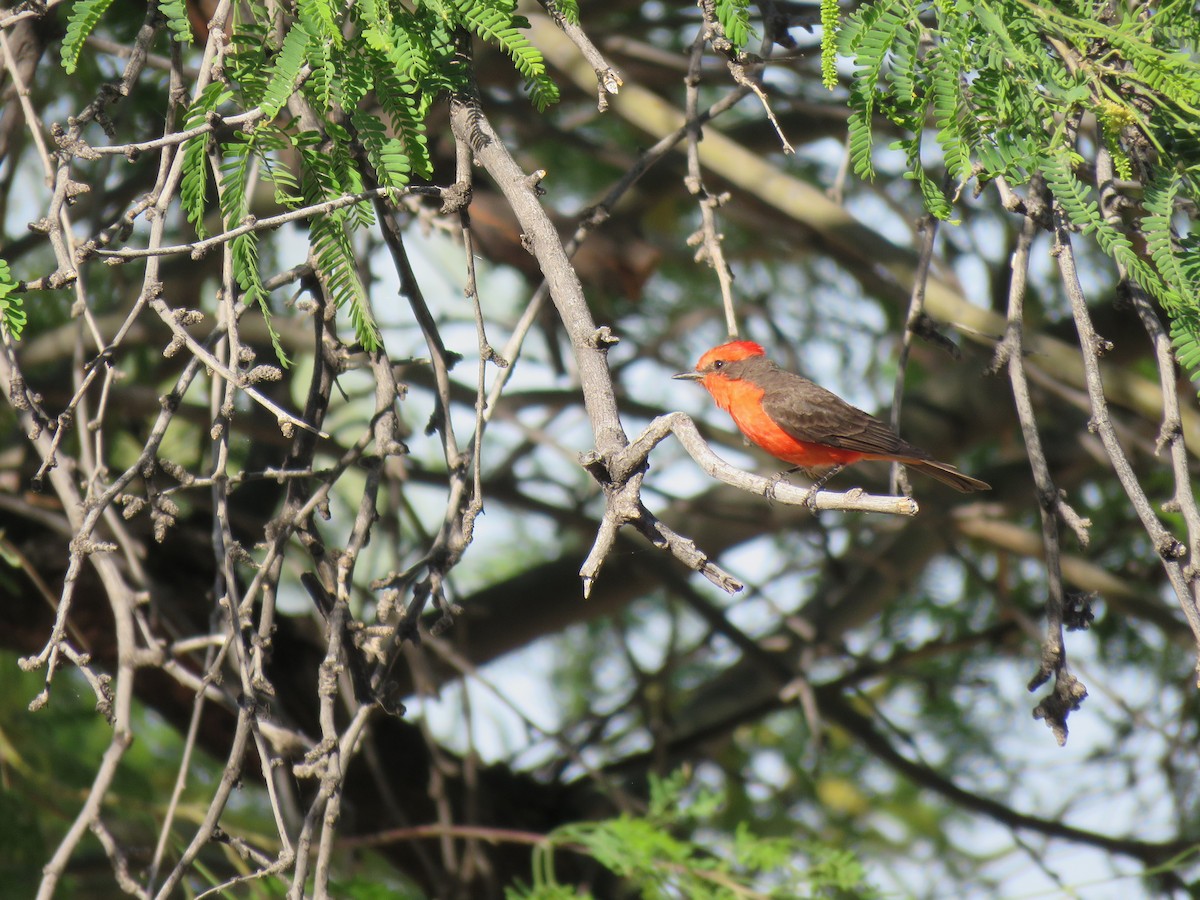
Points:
[(682, 426), (708, 237), (608, 79), (1052, 505), (1168, 547), (197, 249), (916, 309)]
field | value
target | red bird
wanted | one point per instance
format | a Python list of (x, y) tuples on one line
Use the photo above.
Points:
[(802, 423)]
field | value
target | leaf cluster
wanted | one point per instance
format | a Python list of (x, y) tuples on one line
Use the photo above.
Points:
[(1003, 88), (655, 859), (734, 16), (12, 316), (371, 71)]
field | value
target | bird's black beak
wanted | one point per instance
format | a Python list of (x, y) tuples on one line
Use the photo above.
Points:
[(689, 376)]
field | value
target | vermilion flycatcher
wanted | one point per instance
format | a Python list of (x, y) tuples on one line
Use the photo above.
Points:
[(802, 423)]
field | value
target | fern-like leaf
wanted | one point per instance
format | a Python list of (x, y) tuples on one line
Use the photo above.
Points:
[(332, 250), (568, 9), (243, 250), (495, 20), (829, 28), (734, 16), (235, 170), (931, 194), (861, 147), (406, 114), (906, 74), (193, 188), (246, 62), (1084, 213), (946, 101), (85, 16), (322, 19), (1161, 243), (175, 12), (335, 257), (12, 316), (1178, 264), (385, 154), (1185, 320), (323, 84), (281, 176), (282, 79), (868, 39)]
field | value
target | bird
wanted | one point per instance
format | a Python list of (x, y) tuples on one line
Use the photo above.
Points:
[(802, 423)]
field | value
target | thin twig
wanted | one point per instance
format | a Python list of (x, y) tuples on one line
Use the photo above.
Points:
[(608, 79), (738, 63), (197, 249), (171, 319), (927, 227), (708, 237), (1011, 352)]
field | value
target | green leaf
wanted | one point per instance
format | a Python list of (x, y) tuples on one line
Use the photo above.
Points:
[(243, 249), (85, 15), (946, 106), (282, 79), (569, 9), (193, 188), (12, 316), (495, 20), (244, 252), (829, 28), (175, 12), (332, 250), (734, 16), (322, 19), (386, 154), (657, 856), (868, 39)]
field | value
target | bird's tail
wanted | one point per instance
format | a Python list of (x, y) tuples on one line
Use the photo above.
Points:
[(948, 475)]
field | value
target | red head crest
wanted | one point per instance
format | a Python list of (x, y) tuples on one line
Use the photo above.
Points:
[(731, 352)]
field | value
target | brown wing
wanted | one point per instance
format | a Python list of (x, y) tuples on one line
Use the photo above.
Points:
[(808, 412)]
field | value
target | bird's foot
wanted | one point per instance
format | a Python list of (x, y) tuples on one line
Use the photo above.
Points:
[(810, 498), (777, 479)]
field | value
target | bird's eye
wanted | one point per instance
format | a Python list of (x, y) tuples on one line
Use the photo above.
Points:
[(719, 364)]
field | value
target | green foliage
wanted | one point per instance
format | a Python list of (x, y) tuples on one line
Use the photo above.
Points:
[(378, 63), (193, 187), (12, 316), (829, 27), (496, 20), (655, 858), (734, 16), (329, 240), (176, 15), (1003, 84), (83, 18), (568, 9), (284, 69), (48, 761), (868, 36), (239, 156), (371, 70)]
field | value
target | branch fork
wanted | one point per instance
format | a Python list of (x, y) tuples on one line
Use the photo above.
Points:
[(621, 477)]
